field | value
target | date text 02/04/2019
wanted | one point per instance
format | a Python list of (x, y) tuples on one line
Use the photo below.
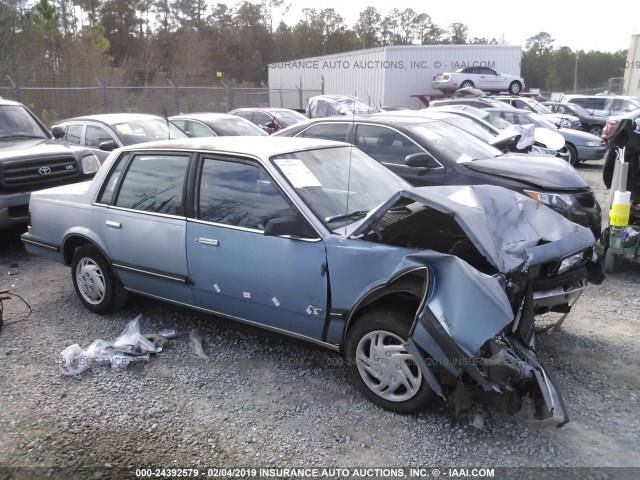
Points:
[(313, 472)]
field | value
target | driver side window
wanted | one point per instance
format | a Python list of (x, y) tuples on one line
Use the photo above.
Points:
[(384, 144), (238, 194), (96, 135)]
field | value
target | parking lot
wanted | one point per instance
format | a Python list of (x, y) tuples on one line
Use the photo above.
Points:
[(262, 400)]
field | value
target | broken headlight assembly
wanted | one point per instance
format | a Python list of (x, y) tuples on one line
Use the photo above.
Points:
[(554, 200), (570, 262)]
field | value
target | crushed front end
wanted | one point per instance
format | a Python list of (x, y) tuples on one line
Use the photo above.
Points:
[(494, 260)]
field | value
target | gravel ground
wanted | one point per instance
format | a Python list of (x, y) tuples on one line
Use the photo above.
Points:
[(263, 400)]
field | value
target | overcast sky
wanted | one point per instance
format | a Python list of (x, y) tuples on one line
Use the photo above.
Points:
[(597, 25)]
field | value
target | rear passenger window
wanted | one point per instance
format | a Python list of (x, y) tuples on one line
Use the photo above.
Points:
[(154, 183), (109, 189)]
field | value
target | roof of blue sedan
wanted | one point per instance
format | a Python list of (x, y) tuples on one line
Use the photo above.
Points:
[(257, 146)]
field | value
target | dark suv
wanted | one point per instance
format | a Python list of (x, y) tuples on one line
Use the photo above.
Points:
[(31, 160)]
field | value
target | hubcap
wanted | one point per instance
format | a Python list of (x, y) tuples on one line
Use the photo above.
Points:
[(90, 281), (386, 367)]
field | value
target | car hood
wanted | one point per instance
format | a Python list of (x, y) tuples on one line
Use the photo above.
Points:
[(33, 147), (510, 230), (542, 172)]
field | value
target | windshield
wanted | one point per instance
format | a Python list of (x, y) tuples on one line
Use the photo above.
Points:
[(335, 182), (497, 121), (140, 131), (469, 126), (539, 121), (575, 109), (289, 118), (447, 142), (15, 121), (236, 127), (542, 109)]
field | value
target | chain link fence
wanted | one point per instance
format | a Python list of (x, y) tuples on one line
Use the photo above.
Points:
[(52, 104)]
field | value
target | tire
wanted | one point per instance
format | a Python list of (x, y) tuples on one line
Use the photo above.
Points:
[(96, 284), (595, 130), (515, 87), (376, 366), (573, 155), (467, 84)]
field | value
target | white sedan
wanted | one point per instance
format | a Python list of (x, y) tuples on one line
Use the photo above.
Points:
[(482, 78)]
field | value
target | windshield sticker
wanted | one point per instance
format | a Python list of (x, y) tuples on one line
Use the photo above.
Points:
[(124, 129), (297, 173)]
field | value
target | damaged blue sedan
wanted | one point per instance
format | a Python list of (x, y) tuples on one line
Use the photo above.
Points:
[(424, 291)]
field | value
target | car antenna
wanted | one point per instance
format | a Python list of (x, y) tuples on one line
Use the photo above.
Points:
[(166, 119), (353, 122)]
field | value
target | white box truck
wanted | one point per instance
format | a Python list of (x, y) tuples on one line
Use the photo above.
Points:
[(631, 82), (384, 76)]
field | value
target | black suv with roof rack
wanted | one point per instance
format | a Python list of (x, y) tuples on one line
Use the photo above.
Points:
[(31, 160)]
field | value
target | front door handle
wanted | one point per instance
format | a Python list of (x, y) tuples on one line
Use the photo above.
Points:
[(207, 241), (113, 224)]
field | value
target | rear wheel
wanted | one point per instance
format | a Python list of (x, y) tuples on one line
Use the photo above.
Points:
[(467, 84), (515, 87), (95, 282), (381, 366)]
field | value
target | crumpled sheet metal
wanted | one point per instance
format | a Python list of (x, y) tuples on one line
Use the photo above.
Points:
[(508, 228)]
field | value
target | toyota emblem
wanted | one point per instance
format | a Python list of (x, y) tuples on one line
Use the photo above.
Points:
[(44, 170)]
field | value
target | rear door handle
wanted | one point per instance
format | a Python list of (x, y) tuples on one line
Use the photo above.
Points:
[(207, 241), (113, 224)]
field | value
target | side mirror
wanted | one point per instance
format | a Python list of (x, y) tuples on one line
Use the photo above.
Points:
[(287, 226), (57, 132), (421, 160), (108, 146)]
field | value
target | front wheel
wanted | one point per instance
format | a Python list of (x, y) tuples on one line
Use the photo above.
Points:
[(595, 130), (515, 87), (573, 155), (381, 366), (467, 84), (96, 284)]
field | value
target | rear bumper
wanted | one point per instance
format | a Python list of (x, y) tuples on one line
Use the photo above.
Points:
[(42, 248)]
